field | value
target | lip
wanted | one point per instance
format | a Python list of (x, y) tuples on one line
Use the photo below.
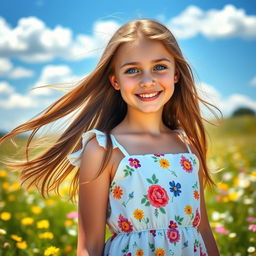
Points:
[(149, 99), (149, 92)]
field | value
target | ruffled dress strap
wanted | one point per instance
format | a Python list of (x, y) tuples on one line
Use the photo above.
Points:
[(75, 157)]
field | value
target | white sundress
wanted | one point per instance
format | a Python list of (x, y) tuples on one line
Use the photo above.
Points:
[(154, 202)]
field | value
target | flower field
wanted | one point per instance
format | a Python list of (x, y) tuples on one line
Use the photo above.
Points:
[(30, 225)]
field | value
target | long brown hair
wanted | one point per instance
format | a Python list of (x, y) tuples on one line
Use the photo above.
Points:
[(96, 105)]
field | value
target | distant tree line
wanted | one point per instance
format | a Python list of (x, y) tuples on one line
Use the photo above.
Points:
[(242, 111)]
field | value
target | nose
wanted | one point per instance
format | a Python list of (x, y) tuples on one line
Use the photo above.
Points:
[(147, 80)]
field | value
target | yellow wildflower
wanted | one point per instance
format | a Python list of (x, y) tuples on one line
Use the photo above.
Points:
[(223, 186), (138, 214), (36, 209), (68, 223), (139, 252), (188, 209), (14, 187), (52, 250), (22, 245), (68, 248), (3, 174), (43, 224), (5, 185), (46, 235), (16, 238), (11, 197), (159, 252), (233, 196), (5, 216), (164, 163), (49, 202), (27, 221)]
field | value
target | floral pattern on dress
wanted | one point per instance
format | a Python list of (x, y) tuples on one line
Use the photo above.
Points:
[(153, 203)]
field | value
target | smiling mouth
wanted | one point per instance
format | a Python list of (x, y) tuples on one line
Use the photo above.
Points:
[(148, 96)]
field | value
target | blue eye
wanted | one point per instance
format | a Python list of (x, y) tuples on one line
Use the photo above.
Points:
[(160, 67), (131, 71)]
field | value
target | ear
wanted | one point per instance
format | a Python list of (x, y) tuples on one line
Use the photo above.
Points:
[(176, 76), (113, 81)]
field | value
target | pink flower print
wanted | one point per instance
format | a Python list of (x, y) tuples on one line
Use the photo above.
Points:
[(157, 196), (125, 224), (173, 235), (173, 224), (158, 155), (196, 219), (186, 164), (201, 251), (153, 232), (128, 254), (134, 162)]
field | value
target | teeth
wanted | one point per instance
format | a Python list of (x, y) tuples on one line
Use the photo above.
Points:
[(148, 95)]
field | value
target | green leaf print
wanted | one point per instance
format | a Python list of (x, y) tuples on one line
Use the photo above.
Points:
[(145, 201), (112, 185), (128, 171), (179, 219), (193, 160), (152, 247), (195, 186), (149, 181), (153, 179), (196, 243), (155, 158), (162, 210), (126, 248)]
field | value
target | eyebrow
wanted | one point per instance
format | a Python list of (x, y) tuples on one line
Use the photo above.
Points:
[(136, 63)]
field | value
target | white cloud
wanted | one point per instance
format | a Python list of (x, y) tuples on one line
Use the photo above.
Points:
[(5, 88), (8, 70), (226, 104), (41, 97), (32, 41), (225, 23), (51, 75), (253, 81)]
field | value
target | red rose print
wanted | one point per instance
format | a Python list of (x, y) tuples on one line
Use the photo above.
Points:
[(196, 219), (157, 196)]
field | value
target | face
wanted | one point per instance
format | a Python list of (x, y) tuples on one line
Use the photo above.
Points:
[(145, 75)]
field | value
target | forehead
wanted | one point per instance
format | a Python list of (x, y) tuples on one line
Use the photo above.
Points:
[(141, 49)]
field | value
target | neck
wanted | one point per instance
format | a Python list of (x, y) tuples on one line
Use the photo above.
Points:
[(139, 122)]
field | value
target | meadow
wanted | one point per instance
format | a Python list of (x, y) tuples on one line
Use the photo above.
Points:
[(31, 225)]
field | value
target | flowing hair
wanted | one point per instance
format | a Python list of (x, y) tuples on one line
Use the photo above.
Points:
[(95, 104)]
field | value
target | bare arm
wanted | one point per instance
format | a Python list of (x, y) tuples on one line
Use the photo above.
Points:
[(204, 226), (92, 201)]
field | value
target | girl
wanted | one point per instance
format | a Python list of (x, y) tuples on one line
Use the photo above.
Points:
[(142, 160)]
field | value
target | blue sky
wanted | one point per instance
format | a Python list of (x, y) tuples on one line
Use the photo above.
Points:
[(51, 41)]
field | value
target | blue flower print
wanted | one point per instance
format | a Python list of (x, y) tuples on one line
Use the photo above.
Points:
[(175, 188)]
